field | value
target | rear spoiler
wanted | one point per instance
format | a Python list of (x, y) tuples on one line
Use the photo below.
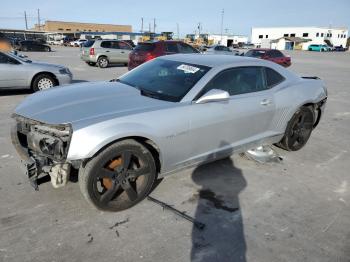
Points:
[(311, 77)]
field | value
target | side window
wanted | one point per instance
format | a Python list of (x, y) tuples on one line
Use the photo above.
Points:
[(171, 47), (106, 44), (236, 81), (272, 77), (4, 59), (187, 49), (123, 45), (275, 53)]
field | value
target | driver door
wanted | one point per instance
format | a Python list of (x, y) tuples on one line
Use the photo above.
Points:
[(221, 127)]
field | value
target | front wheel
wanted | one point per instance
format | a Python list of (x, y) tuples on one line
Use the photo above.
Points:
[(42, 82), (118, 177), (298, 130)]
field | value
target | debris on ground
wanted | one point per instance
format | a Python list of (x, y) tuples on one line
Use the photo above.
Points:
[(119, 223), (197, 224), (263, 154), (91, 238)]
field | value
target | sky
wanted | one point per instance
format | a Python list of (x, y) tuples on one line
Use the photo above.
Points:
[(239, 16)]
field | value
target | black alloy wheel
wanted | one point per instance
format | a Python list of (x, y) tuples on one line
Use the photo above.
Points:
[(298, 130), (119, 177)]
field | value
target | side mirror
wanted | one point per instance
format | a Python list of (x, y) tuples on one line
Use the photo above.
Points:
[(214, 95)]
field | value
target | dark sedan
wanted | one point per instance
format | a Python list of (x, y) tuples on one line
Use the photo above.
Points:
[(270, 54), (30, 45)]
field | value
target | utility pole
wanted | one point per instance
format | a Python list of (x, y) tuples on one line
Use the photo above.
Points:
[(25, 19), (39, 20), (154, 25), (141, 24), (149, 27), (199, 29), (222, 23), (178, 31)]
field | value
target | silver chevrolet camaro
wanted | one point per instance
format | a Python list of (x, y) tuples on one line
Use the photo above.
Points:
[(171, 113)]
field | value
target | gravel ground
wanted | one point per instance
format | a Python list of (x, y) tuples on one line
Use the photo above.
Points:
[(295, 210)]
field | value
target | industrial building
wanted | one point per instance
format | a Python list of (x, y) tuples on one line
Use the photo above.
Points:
[(227, 40), (298, 38), (76, 27)]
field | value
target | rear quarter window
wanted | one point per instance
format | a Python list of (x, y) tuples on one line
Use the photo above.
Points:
[(273, 78), (88, 43), (145, 47)]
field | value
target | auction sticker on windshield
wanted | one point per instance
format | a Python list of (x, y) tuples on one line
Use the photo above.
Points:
[(188, 68)]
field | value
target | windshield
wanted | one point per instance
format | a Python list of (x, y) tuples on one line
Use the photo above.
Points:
[(255, 53), (165, 79)]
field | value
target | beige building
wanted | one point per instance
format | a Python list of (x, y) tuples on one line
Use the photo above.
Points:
[(75, 27)]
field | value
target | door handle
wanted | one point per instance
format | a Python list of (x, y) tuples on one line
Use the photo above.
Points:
[(107, 51), (265, 102), (122, 52)]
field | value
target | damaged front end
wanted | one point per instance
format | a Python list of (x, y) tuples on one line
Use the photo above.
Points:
[(43, 148)]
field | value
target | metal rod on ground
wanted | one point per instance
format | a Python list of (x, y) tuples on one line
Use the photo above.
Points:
[(197, 224)]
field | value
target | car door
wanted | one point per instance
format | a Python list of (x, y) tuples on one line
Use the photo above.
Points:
[(107, 50), (228, 125), (124, 51), (12, 72)]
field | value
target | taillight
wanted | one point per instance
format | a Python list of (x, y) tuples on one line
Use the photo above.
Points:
[(92, 51), (150, 56)]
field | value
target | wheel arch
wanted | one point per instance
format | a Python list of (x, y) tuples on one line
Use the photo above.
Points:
[(43, 73), (147, 142)]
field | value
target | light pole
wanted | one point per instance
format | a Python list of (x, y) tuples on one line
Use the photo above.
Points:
[(222, 24)]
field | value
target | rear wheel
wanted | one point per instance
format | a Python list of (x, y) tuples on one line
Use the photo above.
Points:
[(118, 177), (47, 49), (102, 62), (42, 82), (298, 130)]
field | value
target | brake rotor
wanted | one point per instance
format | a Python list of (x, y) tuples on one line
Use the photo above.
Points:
[(107, 182)]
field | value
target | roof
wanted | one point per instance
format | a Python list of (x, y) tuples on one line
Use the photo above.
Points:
[(292, 39), (209, 60)]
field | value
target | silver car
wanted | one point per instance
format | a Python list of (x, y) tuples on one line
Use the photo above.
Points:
[(105, 52), (220, 50), (17, 72), (170, 113)]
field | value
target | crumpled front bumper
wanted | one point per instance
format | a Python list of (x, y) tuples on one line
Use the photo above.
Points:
[(29, 162)]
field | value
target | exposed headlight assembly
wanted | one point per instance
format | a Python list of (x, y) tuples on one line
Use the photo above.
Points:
[(50, 141)]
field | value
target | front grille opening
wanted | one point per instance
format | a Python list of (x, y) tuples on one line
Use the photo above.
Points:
[(22, 139)]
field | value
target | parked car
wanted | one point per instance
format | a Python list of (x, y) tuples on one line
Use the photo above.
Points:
[(319, 48), (220, 50), (31, 45), (105, 52), (271, 55), (339, 48), (77, 43), (18, 72), (148, 50), (171, 113)]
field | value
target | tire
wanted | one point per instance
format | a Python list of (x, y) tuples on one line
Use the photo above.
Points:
[(298, 130), (42, 82), (47, 49), (102, 62), (110, 184)]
